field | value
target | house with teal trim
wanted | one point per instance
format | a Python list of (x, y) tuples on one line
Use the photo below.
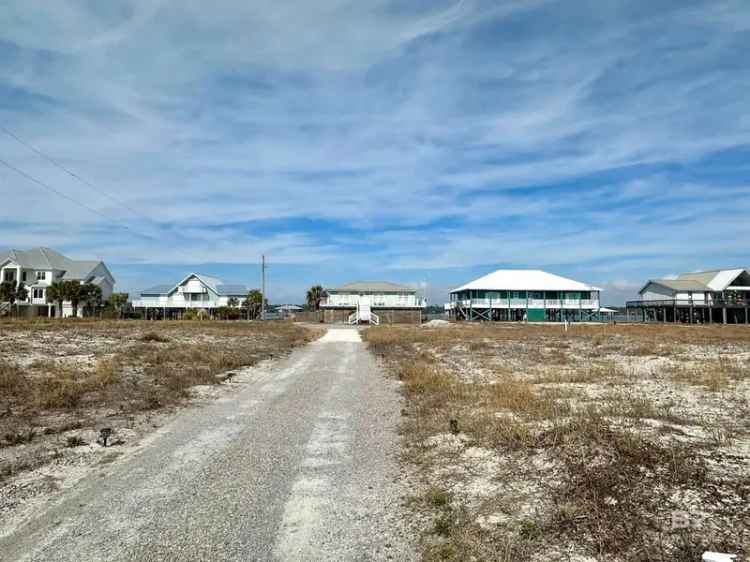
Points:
[(524, 295)]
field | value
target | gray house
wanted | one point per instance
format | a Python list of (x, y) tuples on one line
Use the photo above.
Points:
[(39, 267), (706, 297)]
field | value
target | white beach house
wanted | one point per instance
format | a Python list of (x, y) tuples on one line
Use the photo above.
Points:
[(39, 267), (372, 302), (705, 297), (524, 294), (195, 292)]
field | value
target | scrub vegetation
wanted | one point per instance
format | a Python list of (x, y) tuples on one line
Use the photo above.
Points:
[(60, 380), (615, 442)]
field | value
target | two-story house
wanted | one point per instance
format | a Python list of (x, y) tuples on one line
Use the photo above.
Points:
[(524, 294), (373, 303), (702, 297), (39, 267), (195, 292)]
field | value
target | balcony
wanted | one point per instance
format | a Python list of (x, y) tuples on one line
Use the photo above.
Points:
[(412, 302), (573, 304), (738, 302)]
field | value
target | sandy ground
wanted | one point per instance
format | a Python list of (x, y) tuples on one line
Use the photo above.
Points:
[(507, 486)]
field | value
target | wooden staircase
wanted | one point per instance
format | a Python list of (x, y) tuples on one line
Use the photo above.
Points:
[(364, 313)]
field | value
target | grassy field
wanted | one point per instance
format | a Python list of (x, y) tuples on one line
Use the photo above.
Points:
[(613, 443), (61, 381)]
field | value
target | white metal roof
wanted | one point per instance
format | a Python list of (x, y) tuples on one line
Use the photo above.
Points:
[(724, 278), (524, 280)]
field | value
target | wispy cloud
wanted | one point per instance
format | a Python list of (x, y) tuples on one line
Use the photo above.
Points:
[(606, 140)]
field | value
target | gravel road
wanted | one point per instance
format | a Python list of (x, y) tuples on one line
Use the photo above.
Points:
[(299, 464)]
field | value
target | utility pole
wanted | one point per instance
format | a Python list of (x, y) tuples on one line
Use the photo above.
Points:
[(263, 287)]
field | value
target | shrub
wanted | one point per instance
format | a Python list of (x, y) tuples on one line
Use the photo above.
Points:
[(12, 380), (75, 441), (154, 337)]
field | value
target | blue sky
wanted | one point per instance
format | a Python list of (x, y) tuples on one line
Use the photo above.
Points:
[(419, 142)]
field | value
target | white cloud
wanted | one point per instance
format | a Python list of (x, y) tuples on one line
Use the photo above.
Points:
[(431, 134)]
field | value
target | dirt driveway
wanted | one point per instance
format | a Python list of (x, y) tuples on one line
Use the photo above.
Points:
[(300, 464)]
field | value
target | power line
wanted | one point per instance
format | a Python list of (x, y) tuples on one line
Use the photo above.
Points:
[(53, 190), (64, 195), (71, 173), (86, 183), (79, 203)]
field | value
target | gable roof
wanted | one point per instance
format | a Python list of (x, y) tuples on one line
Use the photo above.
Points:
[(715, 280), (524, 280), (678, 285), (47, 259), (216, 285), (372, 287)]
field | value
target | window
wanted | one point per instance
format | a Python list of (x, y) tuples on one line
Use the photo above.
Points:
[(23, 276), (552, 295), (41, 275), (10, 276), (538, 295), (519, 294), (37, 293)]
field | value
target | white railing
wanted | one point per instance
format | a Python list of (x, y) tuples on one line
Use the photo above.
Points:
[(168, 303), (356, 318), (380, 303), (523, 303)]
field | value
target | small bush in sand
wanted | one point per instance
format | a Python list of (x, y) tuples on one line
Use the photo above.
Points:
[(12, 380), (75, 441), (153, 337)]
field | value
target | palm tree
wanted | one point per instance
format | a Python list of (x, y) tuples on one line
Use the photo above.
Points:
[(315, 294), (118, 301), (73, 294), (253, 303), (56, 295), (22, 293), (91, 296)]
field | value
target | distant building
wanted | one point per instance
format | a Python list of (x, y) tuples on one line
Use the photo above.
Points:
[(524, 294), (705, 297), (288, 310), (194, 292), (39, 267), (372, 303)]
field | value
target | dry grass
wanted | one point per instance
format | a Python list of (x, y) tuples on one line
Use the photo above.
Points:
[(61, 375), (578, 444)]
